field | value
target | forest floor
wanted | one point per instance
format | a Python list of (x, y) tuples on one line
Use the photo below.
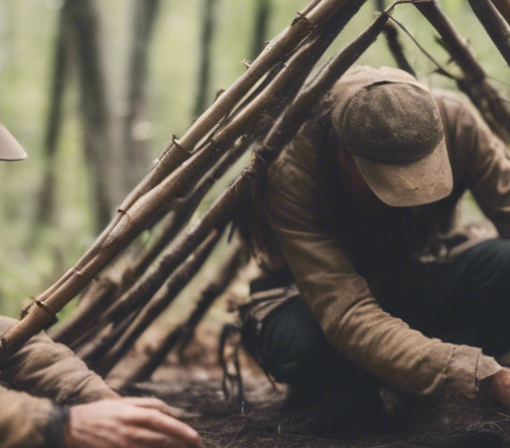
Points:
[(259, 422)]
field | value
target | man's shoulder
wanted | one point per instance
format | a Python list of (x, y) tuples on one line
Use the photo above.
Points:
[(451, 103)]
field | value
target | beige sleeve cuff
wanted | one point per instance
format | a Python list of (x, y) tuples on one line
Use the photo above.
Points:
[(487, 366)]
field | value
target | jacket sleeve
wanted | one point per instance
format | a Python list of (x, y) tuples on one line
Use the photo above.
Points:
[(46, 369), (482, 162), (23, 419), (341, 302)]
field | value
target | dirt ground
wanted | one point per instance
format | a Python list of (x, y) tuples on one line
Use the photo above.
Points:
[(259, 423)]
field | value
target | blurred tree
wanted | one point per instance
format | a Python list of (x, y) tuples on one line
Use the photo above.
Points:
[(83, 21), (204, 71), (47, 195), (262, 15), (132, 151)]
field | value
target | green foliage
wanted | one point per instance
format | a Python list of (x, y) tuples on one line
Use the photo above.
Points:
[(28, 264)]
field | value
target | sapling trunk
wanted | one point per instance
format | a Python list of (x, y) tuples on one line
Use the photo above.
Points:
[(83, 21), (132, 158), (206, 40)]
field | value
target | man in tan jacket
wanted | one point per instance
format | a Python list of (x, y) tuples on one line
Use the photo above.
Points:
[(50, 399), (369, 275)]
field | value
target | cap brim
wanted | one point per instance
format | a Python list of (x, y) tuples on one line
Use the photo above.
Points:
[(404, 185), (10, 149)]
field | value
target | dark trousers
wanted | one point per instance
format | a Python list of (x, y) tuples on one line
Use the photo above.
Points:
[(464, 300)]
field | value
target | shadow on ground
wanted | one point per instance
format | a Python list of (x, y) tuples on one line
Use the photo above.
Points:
[(258, 422)]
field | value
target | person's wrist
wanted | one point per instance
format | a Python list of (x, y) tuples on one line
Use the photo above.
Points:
[(56, 427)]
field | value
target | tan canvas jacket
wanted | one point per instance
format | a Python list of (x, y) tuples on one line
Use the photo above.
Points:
[(38, 375), (322, 261)]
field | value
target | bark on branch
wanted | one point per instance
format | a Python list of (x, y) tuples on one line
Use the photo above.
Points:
[(495, 25)]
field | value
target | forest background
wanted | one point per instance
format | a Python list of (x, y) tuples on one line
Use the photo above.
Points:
[(41, 238)]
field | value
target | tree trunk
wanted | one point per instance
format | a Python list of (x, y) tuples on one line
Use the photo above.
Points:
[(46, 199), (262, 15), (96, 118), (204, 71), (132, 155)]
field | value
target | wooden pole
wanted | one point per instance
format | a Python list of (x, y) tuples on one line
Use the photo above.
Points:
[(495, 25), (504, 8)]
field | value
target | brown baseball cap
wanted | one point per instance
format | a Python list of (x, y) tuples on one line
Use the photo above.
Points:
[(391, 125), (10, 149)]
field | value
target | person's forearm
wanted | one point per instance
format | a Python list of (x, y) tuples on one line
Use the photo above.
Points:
[(406, 358), (46, 369)]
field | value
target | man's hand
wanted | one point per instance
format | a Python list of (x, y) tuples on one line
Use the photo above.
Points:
[(128, 423), (498, 386)]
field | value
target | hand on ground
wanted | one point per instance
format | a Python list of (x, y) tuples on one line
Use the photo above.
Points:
[(128, 423)]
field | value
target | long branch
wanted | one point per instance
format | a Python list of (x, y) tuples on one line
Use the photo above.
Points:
[(495, 25)]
